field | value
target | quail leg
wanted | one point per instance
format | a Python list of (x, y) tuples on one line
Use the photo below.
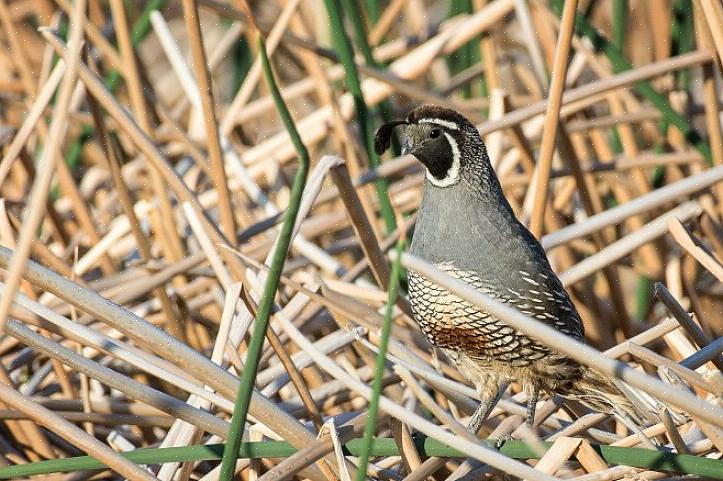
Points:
[(531, 406), (480, 415), (529, 418), (484, 409)]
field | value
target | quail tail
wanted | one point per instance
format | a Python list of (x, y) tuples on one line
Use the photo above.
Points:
[(603, 395)]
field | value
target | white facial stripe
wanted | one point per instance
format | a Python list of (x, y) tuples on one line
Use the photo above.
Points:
[(452, 176), (443, 123)]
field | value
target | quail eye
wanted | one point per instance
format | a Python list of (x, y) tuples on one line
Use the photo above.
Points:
[(435, 133)]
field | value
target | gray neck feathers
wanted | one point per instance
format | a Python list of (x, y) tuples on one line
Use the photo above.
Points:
[(478, 175), (470, 224)]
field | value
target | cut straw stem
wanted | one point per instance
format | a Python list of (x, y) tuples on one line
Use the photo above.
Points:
[(256, 342)]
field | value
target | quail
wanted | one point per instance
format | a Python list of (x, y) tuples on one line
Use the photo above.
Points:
[(466, 227)]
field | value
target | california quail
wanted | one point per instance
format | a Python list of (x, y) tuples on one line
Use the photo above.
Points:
[(466, 227)]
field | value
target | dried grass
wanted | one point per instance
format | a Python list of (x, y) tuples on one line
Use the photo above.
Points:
[(143, 186)]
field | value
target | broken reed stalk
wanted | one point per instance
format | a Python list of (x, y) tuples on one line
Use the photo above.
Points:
[(371, 426), (248, 376)]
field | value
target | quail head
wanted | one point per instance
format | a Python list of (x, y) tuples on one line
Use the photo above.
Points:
[(466, 227)]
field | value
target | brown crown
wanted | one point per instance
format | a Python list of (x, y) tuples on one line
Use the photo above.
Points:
[(435, 112)]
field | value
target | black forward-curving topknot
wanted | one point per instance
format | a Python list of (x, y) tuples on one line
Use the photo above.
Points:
[(383, 137)]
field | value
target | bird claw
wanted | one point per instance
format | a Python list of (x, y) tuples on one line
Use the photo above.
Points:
[(499, 442)]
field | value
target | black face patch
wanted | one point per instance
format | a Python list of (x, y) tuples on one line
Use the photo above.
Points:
[(435, 153)]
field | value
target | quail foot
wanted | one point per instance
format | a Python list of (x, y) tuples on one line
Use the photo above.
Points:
[(467, 228)]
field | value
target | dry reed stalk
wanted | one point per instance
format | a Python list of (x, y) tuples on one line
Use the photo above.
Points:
[(693, 246), (98, 39), (95, 86), (600, 87), (714, 17), (625, 245), (158, 243), (41, 101), (42, 182), (126, 385), (79, 437), (111, 152), (218, 172), (170, 348), (549, 135)]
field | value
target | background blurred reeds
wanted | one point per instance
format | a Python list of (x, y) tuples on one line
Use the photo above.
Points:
[(165, 193)]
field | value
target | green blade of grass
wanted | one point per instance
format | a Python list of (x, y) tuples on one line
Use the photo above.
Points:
[(468, 54), (683, 37), (381, 361), (248, 376), (356, 17), (634, 457), (620, 10), (373, 11), (343, 48), (139, 30)]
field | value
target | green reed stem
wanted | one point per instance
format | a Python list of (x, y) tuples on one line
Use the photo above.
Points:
[(620, 8), (344, 50), (682, 37), (263, 313), (381, 360), (634, 457), (373, 11), (355, 14)]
